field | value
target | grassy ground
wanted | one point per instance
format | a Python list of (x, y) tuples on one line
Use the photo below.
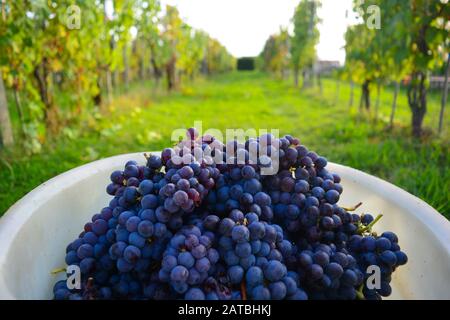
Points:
[(144, 120)]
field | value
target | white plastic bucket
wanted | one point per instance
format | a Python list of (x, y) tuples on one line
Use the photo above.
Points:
[(35, 231)]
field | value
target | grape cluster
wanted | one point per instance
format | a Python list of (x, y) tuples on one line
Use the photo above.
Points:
[(329, 273), (203, 221), (382, 251), (188, 260)]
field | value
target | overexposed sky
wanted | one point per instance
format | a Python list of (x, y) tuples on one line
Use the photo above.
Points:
[(243, 26)]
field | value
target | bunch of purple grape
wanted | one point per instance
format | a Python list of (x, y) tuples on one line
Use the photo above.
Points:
[(202, 221)]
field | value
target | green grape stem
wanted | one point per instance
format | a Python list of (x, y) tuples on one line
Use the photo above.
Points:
[(356, 206), (368, 228), (58, 270), (359, 293)]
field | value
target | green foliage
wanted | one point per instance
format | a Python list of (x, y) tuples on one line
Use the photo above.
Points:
[(358, 63), (60, 73), (427, 34), (275, 54), (413, 37), (306, 34), (217, 58), (412, 41), (283, 51)]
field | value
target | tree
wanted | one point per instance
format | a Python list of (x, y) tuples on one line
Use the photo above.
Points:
[(61, 69), (338, 74), (444, 94), (359, 66), (56, 53), (5, 121), (394, 53), (146, 23), (15, 48), (427, 36), (123, 20), (217, 58), (172, 24), (410, 41), (17, 61), (418, 30), (305, 37), (192, 51), (150, 36), (374, 55), (275, 54)]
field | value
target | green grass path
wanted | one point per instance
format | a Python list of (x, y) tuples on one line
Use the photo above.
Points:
[(143, 120)]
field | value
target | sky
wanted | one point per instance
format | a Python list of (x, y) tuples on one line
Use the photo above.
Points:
[(243, 26)]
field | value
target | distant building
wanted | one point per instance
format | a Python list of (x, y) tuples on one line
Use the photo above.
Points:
[(326, 66), (436, 82)]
